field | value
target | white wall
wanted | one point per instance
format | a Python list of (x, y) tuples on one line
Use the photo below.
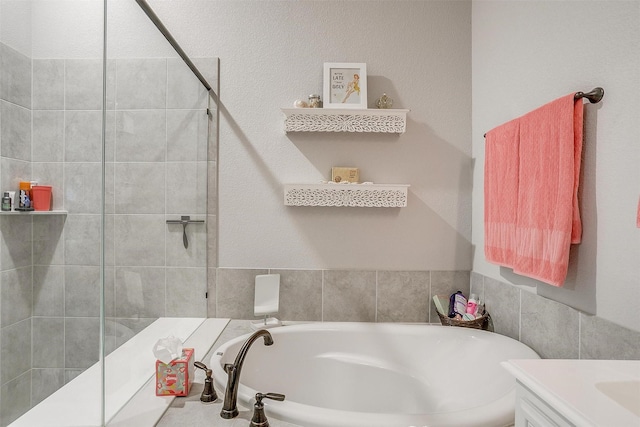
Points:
[(271, 53), (15, 25), (528, 53)]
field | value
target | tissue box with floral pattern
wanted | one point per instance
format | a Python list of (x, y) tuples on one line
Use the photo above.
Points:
[(175, 378)]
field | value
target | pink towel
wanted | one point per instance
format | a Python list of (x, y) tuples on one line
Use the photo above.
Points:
[(547, 219), (501, 192)]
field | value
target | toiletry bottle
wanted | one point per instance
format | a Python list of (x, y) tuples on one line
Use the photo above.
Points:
[(24, 199), (6, 202), (457, 305), (472, 304)]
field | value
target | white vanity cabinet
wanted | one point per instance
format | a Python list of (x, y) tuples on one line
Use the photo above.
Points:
[(531, 411), (576, 393)]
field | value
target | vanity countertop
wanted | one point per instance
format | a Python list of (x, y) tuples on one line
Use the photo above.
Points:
[(586, 392)]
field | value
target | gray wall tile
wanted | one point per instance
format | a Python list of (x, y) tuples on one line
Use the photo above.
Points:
[(82, 240), (186, 288), (187, 132), (83, 84), (48, 84), (184, 89), (211, 292), (81, 342), (502, 301), (141, 83), (48, 339), (48, 136), (139, 188), (550, 328), (192, 197), (83, 136), (83, 187), (235, 292), (141, 136), (48, 290), (16, 295), (140, 292), (15, 76), (15, 246), (81, 291), (15, 132), (601, 339), (45, 382), (16, 398), (48, 240), (300, 295), (403, 296), (15, 357), (140, 240), (349, 296)]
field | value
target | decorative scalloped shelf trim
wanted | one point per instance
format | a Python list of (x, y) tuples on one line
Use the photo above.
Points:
[(353, 195), (345, 120)]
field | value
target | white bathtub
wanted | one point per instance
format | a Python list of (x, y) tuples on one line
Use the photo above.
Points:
[(375, 374)]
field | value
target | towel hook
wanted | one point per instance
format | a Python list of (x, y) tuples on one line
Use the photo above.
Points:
[(185, 220)]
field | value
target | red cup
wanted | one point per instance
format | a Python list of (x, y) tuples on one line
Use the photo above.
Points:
[(41, 197)]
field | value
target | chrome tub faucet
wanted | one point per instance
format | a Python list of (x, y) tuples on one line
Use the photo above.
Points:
[(230, 406)]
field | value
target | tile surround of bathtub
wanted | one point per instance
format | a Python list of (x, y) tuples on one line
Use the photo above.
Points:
[(552, 329), (337, 295)]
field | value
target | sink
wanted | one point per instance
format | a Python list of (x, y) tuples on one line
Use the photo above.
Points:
[(625, 393)]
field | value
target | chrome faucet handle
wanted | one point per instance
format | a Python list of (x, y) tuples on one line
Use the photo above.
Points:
[(208, 392), (259, 419)]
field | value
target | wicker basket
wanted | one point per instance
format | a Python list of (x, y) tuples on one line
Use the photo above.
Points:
[(483, 322)]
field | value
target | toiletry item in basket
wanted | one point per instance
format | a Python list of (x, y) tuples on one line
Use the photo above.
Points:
[(480, 308), (457, 305), (440, 303), (472, 305)]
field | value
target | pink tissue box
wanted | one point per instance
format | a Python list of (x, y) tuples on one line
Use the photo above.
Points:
[(175, 378)]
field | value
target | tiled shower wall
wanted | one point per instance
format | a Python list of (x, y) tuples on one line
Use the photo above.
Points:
[(156, 154)]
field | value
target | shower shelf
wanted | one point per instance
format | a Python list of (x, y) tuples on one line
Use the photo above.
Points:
[(353, 195), (345, 120), (15, 213)]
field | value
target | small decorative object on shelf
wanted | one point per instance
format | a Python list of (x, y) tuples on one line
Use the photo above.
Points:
[(314, 101), (384, 102), (345, 85), (299, 103), (346, 194)]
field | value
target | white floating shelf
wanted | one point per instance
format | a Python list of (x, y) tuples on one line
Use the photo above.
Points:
[(354, 195), (345, 120), (28, 213)]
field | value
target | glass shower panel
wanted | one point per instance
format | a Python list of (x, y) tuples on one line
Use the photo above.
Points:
[(156, 167), (50, 132)]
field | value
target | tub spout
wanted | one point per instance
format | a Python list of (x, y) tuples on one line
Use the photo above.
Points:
[(230, 407)]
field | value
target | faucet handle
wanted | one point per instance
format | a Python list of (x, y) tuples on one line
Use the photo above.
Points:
[(259, 419), (273, 396), (208, 392)]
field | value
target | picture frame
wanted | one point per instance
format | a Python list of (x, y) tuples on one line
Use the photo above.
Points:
[(345, 85)]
